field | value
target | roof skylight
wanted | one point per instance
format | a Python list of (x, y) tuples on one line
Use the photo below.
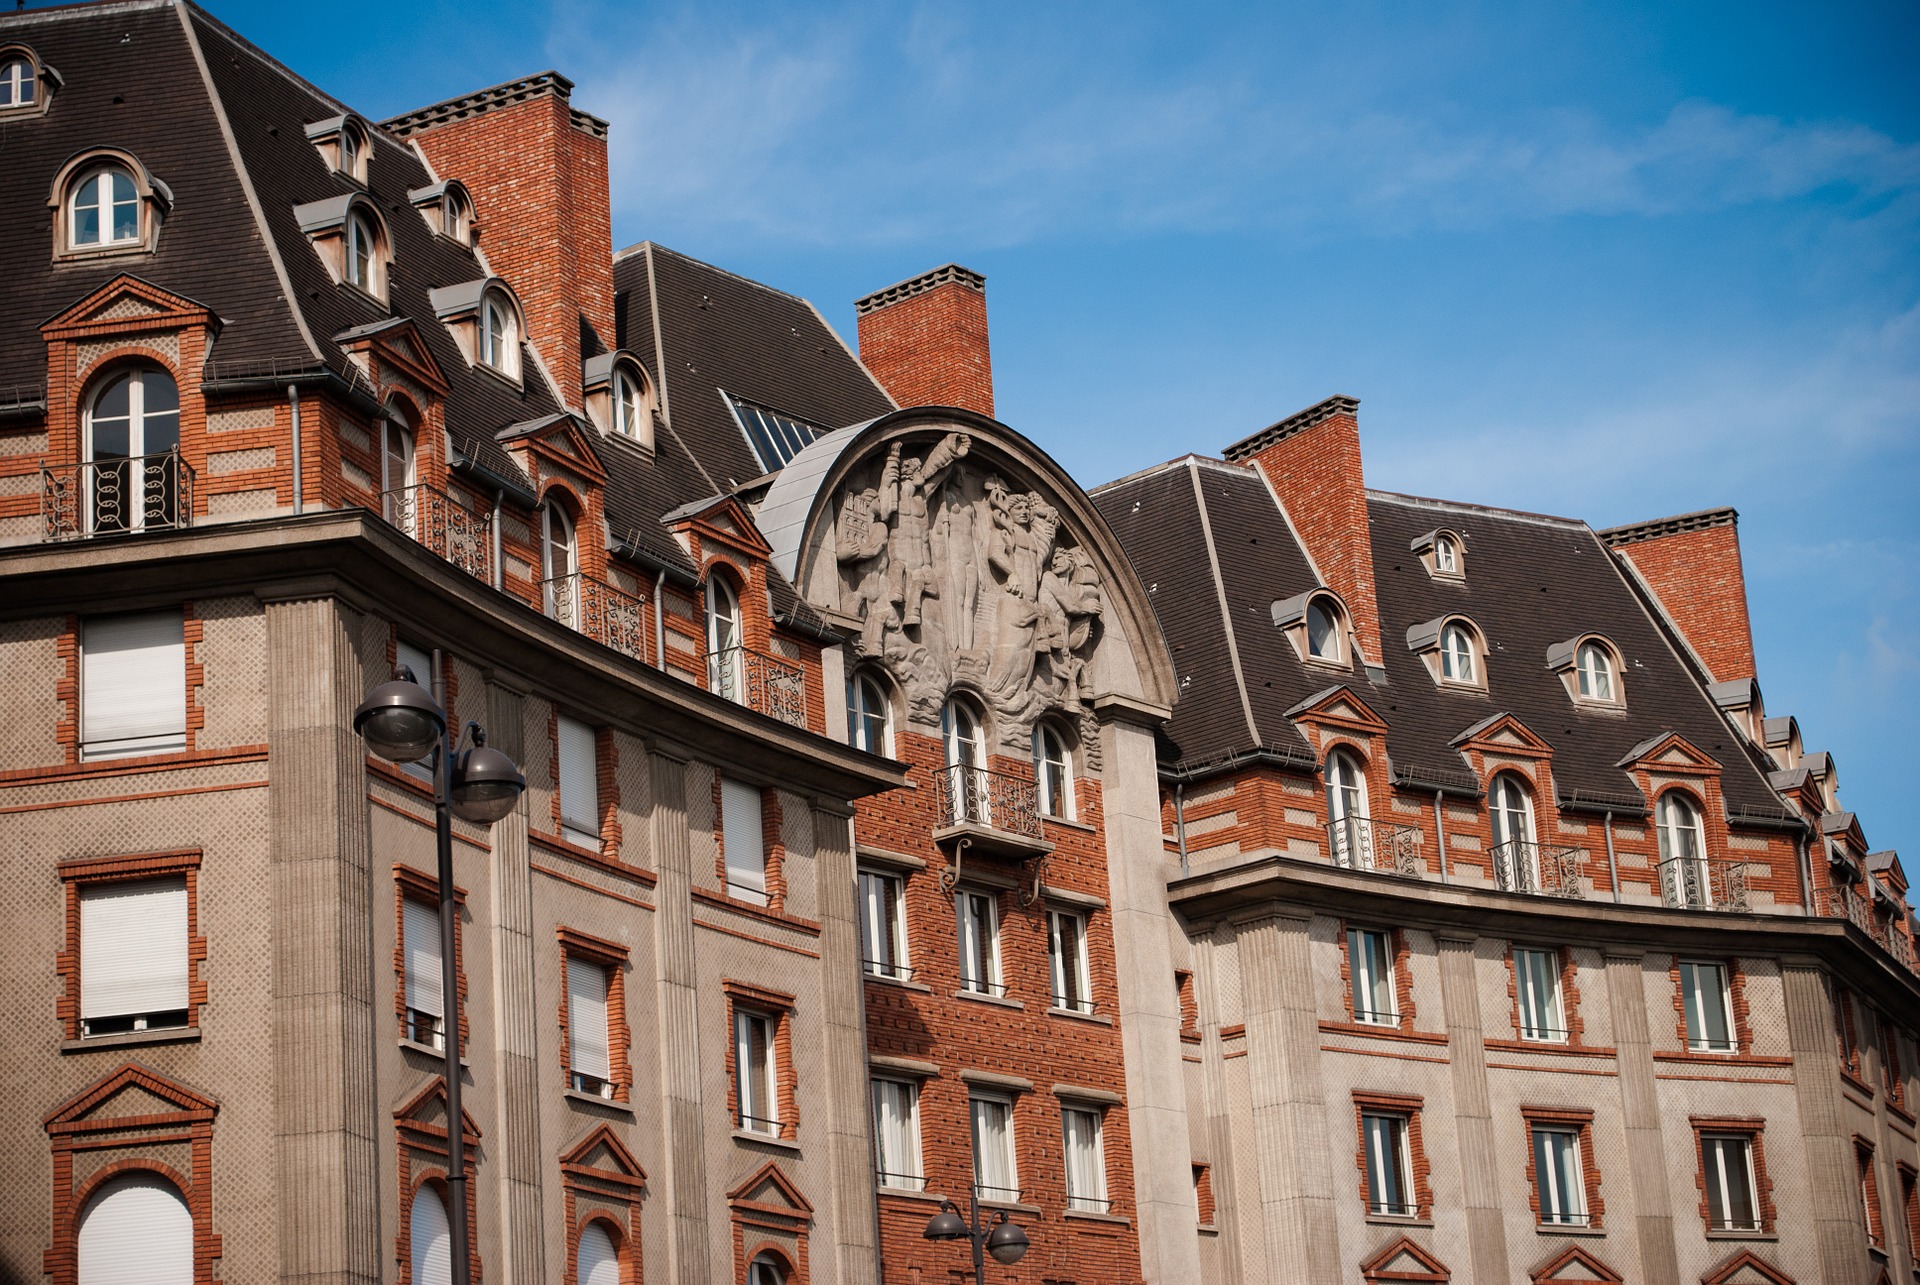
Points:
[(776, 438)]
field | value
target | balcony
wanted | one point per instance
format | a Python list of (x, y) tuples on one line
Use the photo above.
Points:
[(994, 811), (116, 496), (1539, 869), (1697, 883), (1845, 903), (458, 534), (766, 684), (603, 613), (1387, 847)]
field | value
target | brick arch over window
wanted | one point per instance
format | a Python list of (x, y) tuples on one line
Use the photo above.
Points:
[(1574, 1266), (132, 1121), (770, 1215), (420, 1132)]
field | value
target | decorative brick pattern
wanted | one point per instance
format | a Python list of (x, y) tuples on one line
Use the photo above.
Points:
[(421, 1134), (611, 956), (90, 872), (602, 1183), (1580, 1121)]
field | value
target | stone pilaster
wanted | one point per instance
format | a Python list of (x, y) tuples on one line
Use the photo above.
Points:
[(1472, 1109), (1832, 1200), (856, 1232), (685, 1185), (1640, 1113)]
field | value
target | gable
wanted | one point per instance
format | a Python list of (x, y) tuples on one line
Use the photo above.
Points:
[(1746, 1268), (1669, 752), (724, 522), (771, 1191), (602, 1155), (1403, 1260), (1503, 734), (129, 1093), (1572, 1265), (124, 304), (427, 1110), (1339, 707)]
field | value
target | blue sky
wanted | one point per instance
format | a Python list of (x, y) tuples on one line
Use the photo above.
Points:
[(1608, 260)]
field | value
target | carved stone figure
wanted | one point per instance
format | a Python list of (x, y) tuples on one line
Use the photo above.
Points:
[(904, 487)]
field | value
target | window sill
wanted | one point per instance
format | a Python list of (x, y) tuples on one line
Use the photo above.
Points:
[(1088, 1215), (767, 1140), (1207, 1229), (1098, 1019), (978, 998), (901, 983), (1742, 1235), (1568, 1229), (1393, 1220), (132, 1039), (595, 1100), (1069, 823), (907, 1193), (438, 1055), (1013, 1207)]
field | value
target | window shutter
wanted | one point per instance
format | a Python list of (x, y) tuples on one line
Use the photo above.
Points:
[(133, 948), (599, 1264), (744, 841), (422, 947), (421, 663), (430, 1238), (137, 1228), (579, 777), (587, 1019), (133, 684)]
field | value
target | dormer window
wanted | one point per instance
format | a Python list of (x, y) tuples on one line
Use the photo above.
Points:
[(1323, 631), (25, 83), (1453, 650), (362, 243), (1456, 655), (1590, 667), (105, 210), (107, 202), (351, 239), (447, 208), (619, 396), (496, 333), (1596, 672), (1446, 556), (1316, 624), (1443, 553), (485, 320), (626, 404), (345, 143)]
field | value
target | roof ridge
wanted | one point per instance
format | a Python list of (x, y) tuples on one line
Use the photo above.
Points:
[(67, 12), (716, 268), (1178, 461), (1220, 596), (1468, 506), (274, 64)]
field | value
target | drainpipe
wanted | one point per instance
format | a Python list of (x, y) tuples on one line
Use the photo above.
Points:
[(293, 403), (1613, 862), (1440, 829), (494, 523), (1180, 822), (660, 619)]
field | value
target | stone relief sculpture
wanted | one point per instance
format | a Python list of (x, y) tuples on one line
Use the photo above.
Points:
[(956, 576)]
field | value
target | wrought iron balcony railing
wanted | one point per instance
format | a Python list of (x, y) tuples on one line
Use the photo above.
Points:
[(456, 533), (768, 684), (1845, 903), (114, 496), (997, 800), (1361, 843), (598, 610), (1544, 869), (1700, 883)]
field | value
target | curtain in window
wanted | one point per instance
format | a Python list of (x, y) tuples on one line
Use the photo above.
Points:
[(1086, 1178), (1556, 1167), (896, 1132), (1537, 974), (979, 966), (993, 1168), (879, 923)]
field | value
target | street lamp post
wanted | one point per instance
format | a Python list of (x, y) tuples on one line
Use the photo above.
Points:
[(1005, 1241), (402, 722)]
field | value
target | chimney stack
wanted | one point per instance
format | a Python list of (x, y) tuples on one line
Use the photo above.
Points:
[(1692, 564), (537, 171), (925, 340), (1311, 460)]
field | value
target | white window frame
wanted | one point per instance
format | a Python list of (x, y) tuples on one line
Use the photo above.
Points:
[(765, 1270), (1067, 967), (104, 206), (136, 692), (1446, 556), (982, 1110), (1368, 977), (19, 82), (1389, 1150), (756, 1083), (1562, 1197), (1347, 814), (977, 912), (579, 780), (1696, 991), (628, 404), (1086, 1157), (1536, 982), (1719, 1177), (135, 974), (883, 924), (589, 985), (1331, 649), (966, 737), (743, 841), (1053, 772), (1680, 826), (869, 714), (423, 972), (1459, 655), (361, 243), (898, 1162), (499, 349), (1510, 812), (1594, 669), (142, 424), (726, 641)]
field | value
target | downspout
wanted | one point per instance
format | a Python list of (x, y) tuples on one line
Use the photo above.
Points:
[(660, 619), (493, 522), (1440, 828), (1613, 862), (293, 403), (1180, 822)]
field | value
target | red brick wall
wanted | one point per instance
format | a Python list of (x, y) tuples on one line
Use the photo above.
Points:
[(929, 347), (1696, 573)]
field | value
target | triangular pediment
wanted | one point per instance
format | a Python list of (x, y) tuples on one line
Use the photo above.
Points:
[(603, 1153), (724, 520), (1404, 1260), (1339, 707), (129, 300), (396, 343), (1502, 734), (558, 439), (1746, 1268), (428, 1108), (1574, 1266), (133, 1090), (1669, 752), (768, 1189)]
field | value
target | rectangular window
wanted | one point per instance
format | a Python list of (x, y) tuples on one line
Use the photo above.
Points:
[(896, 1134), (743, 836), (1370, 966), (133, 685), (1086, 1160), (979, 943), (1709, 1007), (1536, 976), (1389, 1165), (996, 1175), (1726, 1163), (425, 1021), (579, 783), (883, 925), (756, 1079), (1559, 1176), (589, 1032), (420, 661), (1067, 957), (133, 956), (1869, 1194)]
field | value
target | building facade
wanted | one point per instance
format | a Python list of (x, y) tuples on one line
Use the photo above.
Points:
[(1229, 874)]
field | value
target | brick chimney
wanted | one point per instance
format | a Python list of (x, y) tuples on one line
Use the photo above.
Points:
[(537, 170), (925, 340), (1692, 563), (1312, 462)]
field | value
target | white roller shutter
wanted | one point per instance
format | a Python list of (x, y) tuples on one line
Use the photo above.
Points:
[(422, 948), (579, 778), (136, 1229), (430, 1238), (133, 948), (744, 841), (599, 1262), (133, 685), (421, 663), (587, 1019)]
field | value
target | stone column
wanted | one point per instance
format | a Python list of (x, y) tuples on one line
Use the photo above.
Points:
[(517, 1086), (685, 1185), (327, 1172), (1472, 1108), (1289, 1107), (1832, 1196), (1640, 1113), (1228, 1192), (1149, 1007), (856, 1215)]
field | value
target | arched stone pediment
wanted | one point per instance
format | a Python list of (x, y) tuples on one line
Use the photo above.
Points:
[(967, 559)]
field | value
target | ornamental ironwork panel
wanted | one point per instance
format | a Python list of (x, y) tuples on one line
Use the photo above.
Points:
[(1362, 843), (116, 496), (1543, 869), (438, 522), (767, 684), (998, 800), (607, 615), (1698, 883)]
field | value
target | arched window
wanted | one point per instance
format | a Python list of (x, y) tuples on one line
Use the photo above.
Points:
[(17, 81), (1515, 854), (1323, 630), (560, 564), (1348, 826), (133, 454), (104, 210), (1683, 852), (1053, 771), (598, 1258), (627, 405), (967, 781), (136, 1228), (1457, 661), (1446, 555), (499, 335), (1596, 672), (456, 216), (363, 253), (868, 713), (430, 1237), (726, 654), (765, 1269)]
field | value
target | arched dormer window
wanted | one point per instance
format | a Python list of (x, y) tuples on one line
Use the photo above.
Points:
[(1315, 623), (499, 334), (726, 640), (560, 563), (448, 209), (135, 1227), (1452, 649), (107, 202), (1053, 771), (1684, 878), (1459, 657), (1595, 667), (26, 83), (967, 790), (486, 322), (1349, 828), (135, 479), (1591, 668), (620, 396), (351, 239), (344, 143), (1515, 852), (869, 713), (1443, 553), (1323, 630)]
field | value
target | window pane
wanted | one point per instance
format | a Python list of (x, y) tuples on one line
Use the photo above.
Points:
[(1537, 975), (1086, 1165), (1727, 1164), (421, 951), (1558, 1176), (579, 780), (1322, 641), (896, 1134), (993, 1164), (587, 1023)]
